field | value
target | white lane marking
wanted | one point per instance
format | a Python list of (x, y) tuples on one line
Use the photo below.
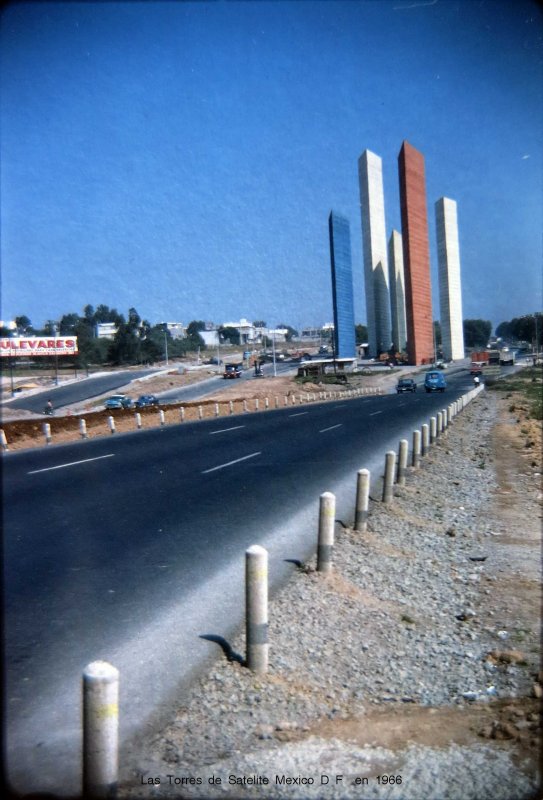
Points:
[(299, 414), (225, 430), (373, 413), (70, 464), (332, 428), (401, 405), (229, 463)]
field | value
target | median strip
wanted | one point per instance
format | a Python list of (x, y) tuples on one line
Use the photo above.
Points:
[(229, 463), (225, 430), (331, 428), (70, 464)]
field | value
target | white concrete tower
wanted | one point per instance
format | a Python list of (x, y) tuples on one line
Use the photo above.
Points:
[(374, 243), (397, 291), (450, 291)]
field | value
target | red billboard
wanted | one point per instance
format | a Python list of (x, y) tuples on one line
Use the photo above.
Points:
[(31, 346)]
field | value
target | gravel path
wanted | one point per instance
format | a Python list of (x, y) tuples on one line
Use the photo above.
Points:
[(387, 667)]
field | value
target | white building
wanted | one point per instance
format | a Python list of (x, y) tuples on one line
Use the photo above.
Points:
[(176, 329), (450, 290), (374, 243), (210, 337), (397, 291), (246, 329)]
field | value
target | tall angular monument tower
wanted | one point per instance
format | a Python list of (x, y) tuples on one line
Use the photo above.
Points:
[(416, 255), (450, 293), (374, 243), (397, 291), (342, 285)]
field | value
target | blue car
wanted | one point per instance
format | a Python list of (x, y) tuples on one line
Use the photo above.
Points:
[(434, 381)]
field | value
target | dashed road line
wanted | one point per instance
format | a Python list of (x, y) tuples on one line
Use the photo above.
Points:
[(225, 430), (299, 414), (331, 428), (373, 413), (230, 463), (69, 464)]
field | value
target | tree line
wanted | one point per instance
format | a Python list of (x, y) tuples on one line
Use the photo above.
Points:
[(136, 341)]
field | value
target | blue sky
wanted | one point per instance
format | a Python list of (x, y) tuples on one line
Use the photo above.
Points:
[(183, 158)]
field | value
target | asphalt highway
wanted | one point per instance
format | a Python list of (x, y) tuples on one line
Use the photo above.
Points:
[(77, 391), (131, 548)]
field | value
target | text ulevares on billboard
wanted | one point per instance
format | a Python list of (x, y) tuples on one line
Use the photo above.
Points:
[(31, 346)]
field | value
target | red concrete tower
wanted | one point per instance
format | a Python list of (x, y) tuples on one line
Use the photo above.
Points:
[(416, 256)]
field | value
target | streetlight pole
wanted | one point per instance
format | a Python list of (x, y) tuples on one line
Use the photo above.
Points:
[(56, 331), (273, 351), (166, 345)]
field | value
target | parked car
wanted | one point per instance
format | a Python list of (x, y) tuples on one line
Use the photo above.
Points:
[(146, 400), (118, 401), (434, 381), (232, 371), (406, 385)]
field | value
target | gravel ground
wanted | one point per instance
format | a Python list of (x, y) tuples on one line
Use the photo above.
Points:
[(404, 671)]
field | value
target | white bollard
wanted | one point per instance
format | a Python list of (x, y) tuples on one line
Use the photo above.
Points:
[(390, 466), (83, 429), (439, 423), (3, 440), (111, 423), (433, 429), (327, 520), (200, 412), (362, 500), (216, 409), (138, 420), (231, 406), (161, 415), (182, 414), (286, 400), (266, 403), (425, 445), (47, 432), (100, 730), (416, 450), (276, 402), (256, 608), (245, 405), (403, 452), (256, 404)]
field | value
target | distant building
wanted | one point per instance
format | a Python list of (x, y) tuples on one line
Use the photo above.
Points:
[(105, 330), (9, 325), (246, 329), (374, 242), (342, 286), (416, 256), (450, 292), (176, 329), (397, 291), (210, 337)]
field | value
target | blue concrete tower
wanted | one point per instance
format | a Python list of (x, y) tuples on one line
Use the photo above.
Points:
[(342, 285)]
